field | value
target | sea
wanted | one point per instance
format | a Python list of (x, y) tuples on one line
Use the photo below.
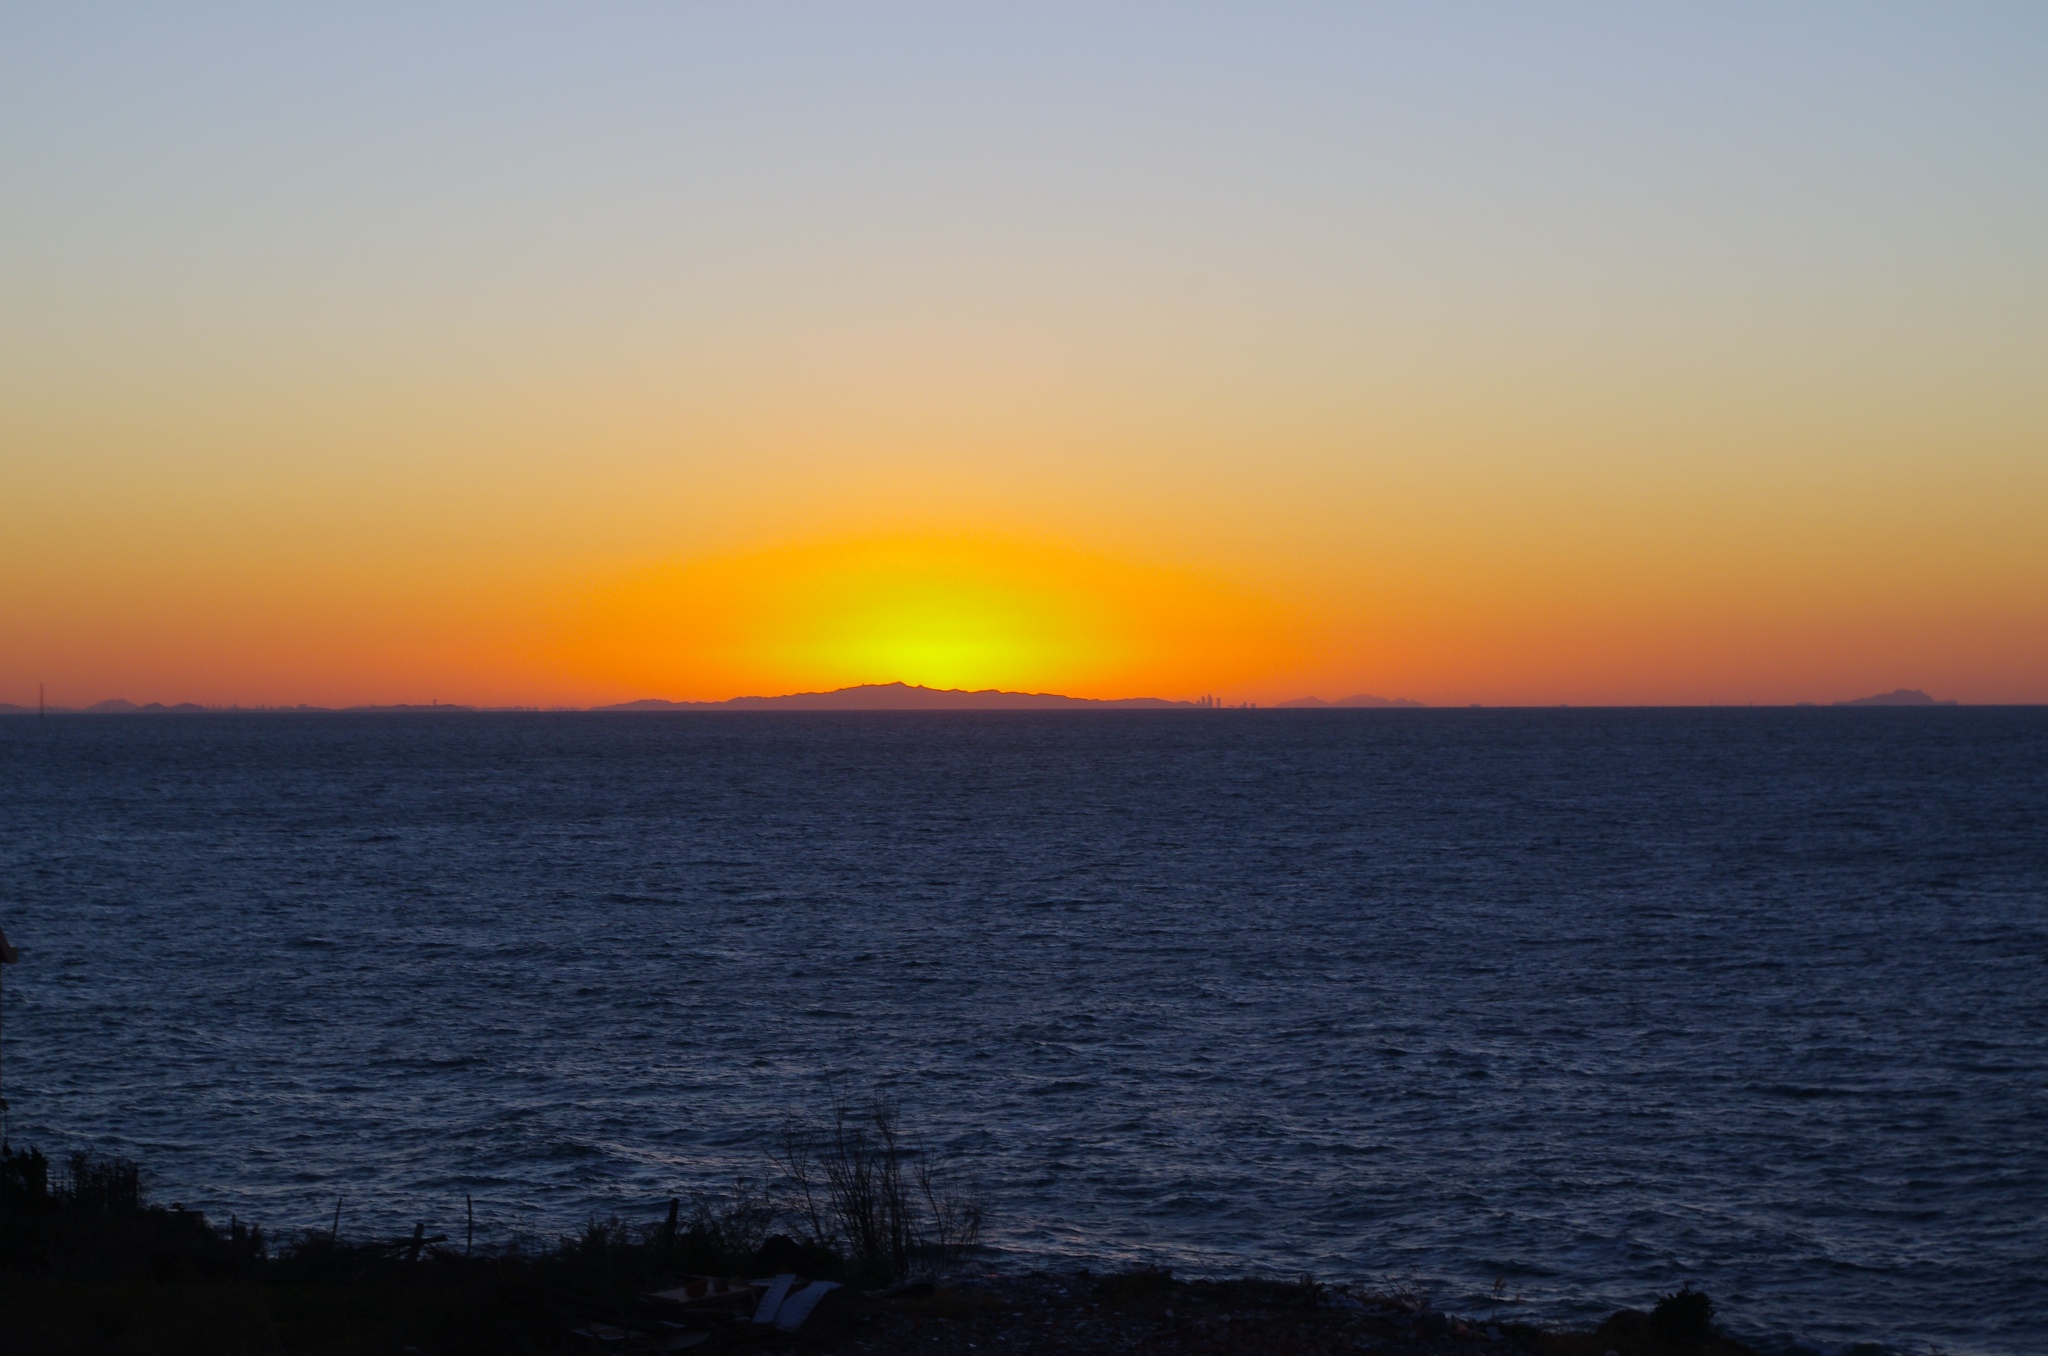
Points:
[(1541, 1013)]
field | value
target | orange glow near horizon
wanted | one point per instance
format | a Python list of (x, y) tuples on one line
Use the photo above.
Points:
[(942, 612)]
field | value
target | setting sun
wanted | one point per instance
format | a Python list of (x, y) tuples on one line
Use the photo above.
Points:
[(935, 611)]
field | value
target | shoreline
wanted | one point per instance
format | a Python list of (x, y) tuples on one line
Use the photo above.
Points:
[(86, 1266)]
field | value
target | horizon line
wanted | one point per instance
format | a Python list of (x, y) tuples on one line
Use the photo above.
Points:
[(906, 697)]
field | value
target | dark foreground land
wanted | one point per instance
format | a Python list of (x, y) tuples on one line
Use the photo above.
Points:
[(89, 1269), (446, 1306), (1155, 1314)]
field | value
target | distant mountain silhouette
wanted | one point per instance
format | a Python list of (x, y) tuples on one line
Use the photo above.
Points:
[(115, 706), (1360, 699), (1905, 696), (901, 697)]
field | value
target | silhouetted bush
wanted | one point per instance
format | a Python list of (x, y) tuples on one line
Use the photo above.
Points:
[(1684, 1318), (857, 1189), (101, 1185), (720, 1233), (92, 1221), (24, 1181)]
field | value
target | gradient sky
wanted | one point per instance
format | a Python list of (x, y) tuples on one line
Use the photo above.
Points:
[(527, 354)]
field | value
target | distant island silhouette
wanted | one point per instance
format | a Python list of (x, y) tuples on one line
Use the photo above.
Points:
[(1904, 696), (903, 697), (119, 707), (1358, 699)]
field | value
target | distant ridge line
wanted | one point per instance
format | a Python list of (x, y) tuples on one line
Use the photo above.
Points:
[(1361, 699), (905, 697), (1904, 696)]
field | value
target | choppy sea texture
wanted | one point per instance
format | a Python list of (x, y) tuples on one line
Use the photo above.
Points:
[(1591, 1002)]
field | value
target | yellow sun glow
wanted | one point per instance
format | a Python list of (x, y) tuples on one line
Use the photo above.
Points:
[(940, 612)]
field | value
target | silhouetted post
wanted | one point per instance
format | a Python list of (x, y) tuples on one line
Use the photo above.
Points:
[(469, 1207), (334, 1234)]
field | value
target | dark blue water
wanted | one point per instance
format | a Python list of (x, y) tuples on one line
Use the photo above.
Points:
[(1592, 1001)]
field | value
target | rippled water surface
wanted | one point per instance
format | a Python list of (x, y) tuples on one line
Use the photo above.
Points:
[(1593, 1001)]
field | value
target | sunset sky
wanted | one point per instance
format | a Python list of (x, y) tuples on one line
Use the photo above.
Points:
[(519, 354)]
